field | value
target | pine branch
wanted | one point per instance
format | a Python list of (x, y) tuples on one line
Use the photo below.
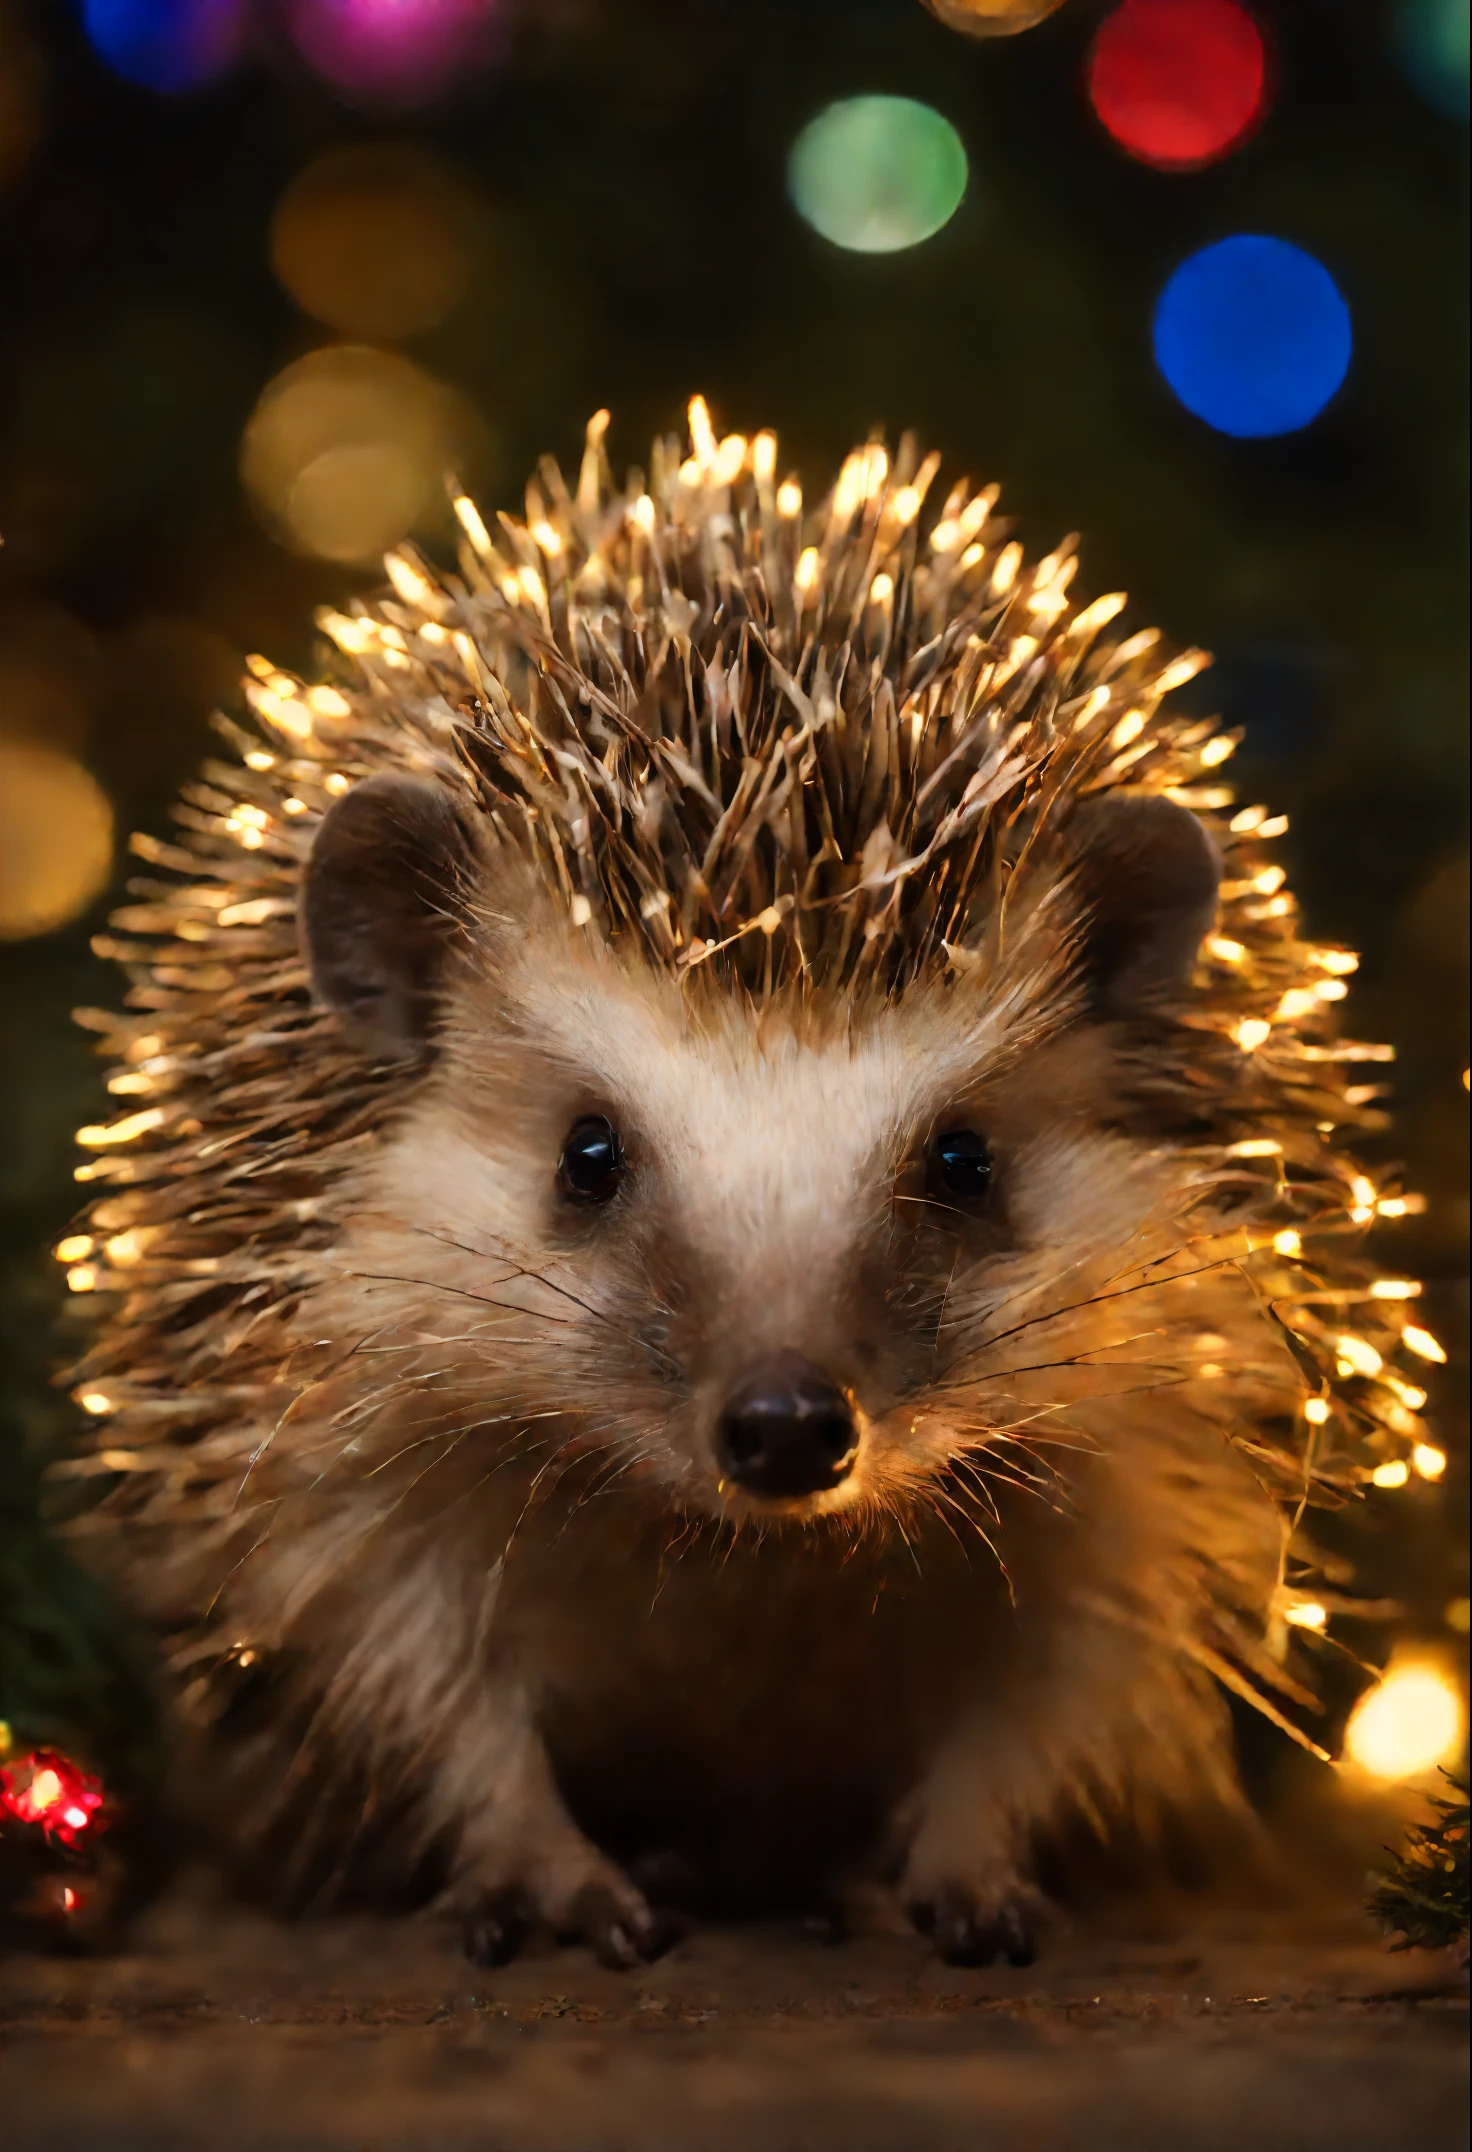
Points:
[(1422, 1899)]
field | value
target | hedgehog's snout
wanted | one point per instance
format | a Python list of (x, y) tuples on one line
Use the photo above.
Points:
[(787, 1430)]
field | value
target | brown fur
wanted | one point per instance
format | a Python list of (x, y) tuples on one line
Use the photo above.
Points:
[(430, 1453)]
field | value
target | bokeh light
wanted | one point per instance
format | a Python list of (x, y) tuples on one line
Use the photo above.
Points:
[(348, 449), (50, 674), (1434, 38), (377, 242), (1178, 83), (1407, 1724), (1253, 335), (396, 52), (168, 45), (22, 96), (875, 174), (55, 838), (991, 18)]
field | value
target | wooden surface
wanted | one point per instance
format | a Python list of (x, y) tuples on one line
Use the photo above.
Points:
[(1189, 2028)]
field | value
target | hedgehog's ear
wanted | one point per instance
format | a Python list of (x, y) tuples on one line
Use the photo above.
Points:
[(383, 890), (1148, 873)]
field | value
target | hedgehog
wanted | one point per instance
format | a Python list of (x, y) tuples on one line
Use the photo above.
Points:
[(732, 1245)]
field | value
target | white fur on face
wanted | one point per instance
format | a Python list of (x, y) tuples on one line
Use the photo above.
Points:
[(763, 1149)]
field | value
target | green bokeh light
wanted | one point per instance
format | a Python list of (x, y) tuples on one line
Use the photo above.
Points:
[(875, 174), (1435, 39)]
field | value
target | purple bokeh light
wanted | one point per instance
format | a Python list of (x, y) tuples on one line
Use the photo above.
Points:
[(396, 52)]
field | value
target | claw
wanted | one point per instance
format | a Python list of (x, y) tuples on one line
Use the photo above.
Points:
[(827, 1921), (969, 1932), (495, 1931), (620, 1936)]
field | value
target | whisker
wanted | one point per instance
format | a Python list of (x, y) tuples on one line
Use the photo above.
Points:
[(461, 1292), (550, 1284)]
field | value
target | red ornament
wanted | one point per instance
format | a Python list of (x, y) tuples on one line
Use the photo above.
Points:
[(45, 1788), (1179, 83)]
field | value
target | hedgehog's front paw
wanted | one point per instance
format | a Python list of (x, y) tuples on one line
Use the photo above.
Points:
[(971, 1926), (974, 1911), (588, 1900)]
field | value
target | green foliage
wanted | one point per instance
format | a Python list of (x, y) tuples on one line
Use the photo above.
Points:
[(1422, 1899), (72, 1673)]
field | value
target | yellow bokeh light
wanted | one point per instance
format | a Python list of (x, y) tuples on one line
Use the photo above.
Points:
[(1394, 1473), (51, 676), (1409, 1723), (1428, 1460), (346, 451), (991, 18), (56, 835), (378, 241)]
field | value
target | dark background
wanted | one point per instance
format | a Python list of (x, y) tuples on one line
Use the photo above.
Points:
[(633, 242)]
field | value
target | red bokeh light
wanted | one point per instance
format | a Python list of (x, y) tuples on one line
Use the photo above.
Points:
[(45, 1788), (1178, 83)]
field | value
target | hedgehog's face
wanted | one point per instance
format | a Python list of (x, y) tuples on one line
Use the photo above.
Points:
[(766, 1259)]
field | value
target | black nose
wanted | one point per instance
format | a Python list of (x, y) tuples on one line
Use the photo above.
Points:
[(786, 1430)]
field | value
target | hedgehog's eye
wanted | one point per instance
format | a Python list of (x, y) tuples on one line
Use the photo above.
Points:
[(960, 1169), (592, 1162)]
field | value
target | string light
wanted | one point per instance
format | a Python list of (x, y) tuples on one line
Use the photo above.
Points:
[(46, 1788), (469, 519), (1410, 1722), (1395, 1473), (1004, 573), (1429, 1461), (729, 460), (1421, 1342)]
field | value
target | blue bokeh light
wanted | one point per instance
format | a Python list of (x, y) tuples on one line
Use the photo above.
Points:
[(168, 45), (1253, 335)]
